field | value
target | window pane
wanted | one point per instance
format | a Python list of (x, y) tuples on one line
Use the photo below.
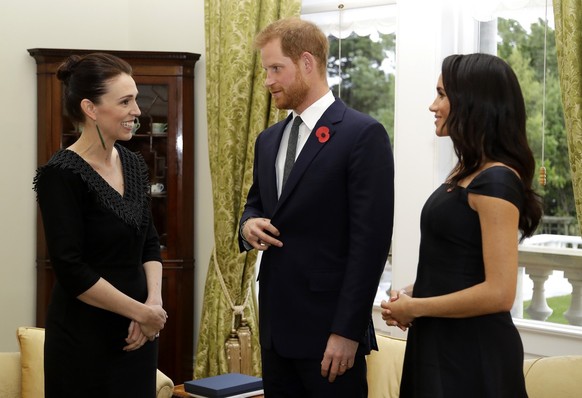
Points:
[(362, 73), (545, 293), (362, 69)]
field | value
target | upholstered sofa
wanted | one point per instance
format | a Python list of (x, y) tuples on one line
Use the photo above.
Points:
[(549, 377), (21, 373)]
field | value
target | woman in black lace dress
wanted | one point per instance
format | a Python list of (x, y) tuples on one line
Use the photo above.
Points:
[(461, 338), (106, 307)]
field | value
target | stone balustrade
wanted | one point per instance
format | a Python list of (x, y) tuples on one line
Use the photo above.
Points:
[(539, 261)]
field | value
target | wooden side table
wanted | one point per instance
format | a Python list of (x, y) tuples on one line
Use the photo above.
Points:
[(180, 393)]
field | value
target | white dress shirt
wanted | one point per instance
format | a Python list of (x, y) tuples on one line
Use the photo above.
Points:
[(310, 117)]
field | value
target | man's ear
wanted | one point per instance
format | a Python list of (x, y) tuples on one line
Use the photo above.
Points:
[(89, 109), (308, 61)]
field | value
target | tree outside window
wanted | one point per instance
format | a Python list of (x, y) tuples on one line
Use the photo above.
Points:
[(364, 75), (524, 51)]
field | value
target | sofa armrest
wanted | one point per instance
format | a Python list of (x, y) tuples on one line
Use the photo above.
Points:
[(164, 385), (385, 367), (528, 363), (10, 374), (557, 376)]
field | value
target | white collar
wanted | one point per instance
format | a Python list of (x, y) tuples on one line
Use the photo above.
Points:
[(313, 113)]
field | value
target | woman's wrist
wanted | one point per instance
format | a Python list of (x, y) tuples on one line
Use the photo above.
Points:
[(154, 299), (143, 313), (406, 290)]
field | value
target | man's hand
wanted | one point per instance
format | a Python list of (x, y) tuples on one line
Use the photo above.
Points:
[(338, 357), (260, 233)]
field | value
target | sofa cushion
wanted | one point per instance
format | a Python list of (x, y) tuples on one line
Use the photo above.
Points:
[(31, 341), (10, 374), (385, 367), (558, 376)]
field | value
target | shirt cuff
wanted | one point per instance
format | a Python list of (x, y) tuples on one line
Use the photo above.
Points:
[(245, 243)]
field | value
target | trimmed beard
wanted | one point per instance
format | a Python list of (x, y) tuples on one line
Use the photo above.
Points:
[(295, 94)]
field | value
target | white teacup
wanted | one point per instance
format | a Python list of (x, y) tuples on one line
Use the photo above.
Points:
[(157, 188), (159, 128)]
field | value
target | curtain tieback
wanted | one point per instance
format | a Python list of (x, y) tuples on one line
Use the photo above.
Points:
[(238, 345)]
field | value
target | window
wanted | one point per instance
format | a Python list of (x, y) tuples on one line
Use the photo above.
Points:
[(528, 45), (361, 64), (455, 28)]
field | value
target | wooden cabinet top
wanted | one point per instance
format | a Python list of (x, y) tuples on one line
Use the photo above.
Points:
[(182, 62), (44, 55)]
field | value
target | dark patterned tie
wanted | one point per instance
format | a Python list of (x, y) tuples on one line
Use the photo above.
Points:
[(291, 149)]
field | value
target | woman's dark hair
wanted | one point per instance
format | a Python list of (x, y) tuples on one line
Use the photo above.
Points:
[(487, 122), (86, 77)]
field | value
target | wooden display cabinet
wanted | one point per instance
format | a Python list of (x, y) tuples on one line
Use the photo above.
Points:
[(165, 81)]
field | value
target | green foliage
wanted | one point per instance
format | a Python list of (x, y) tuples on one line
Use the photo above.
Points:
[(525, 53), (366, 85)]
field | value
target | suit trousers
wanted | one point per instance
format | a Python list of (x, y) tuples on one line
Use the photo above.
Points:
[(301, 378)]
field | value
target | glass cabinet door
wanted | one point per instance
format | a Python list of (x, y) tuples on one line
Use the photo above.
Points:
[(151, 140)]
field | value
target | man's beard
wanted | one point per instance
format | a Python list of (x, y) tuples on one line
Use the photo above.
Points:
[(294, 95)]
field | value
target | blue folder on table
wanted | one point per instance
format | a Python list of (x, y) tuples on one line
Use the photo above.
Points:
[(225, 385)]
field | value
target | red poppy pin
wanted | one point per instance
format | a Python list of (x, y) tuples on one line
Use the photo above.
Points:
[(322, 134)]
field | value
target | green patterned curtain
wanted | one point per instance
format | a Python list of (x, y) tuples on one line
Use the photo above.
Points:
[(568, 19), (239, 108)]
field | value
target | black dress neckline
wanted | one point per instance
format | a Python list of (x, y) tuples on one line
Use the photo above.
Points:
[(129, 207)]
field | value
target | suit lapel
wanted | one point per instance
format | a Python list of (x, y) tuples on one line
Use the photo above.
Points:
[(329, 120)]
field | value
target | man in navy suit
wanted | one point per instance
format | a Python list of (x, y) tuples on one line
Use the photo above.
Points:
[(325, 232)]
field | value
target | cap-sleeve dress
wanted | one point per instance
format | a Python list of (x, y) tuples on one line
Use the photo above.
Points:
[(473, 357), (93, 232)]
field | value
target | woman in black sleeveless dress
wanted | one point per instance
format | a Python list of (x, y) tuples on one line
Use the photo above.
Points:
[(106, 307), (461, 338)]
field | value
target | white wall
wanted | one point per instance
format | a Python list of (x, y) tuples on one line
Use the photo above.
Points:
[(422, 159), (169, 25)]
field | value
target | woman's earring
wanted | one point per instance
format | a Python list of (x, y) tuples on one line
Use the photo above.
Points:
[(136, 126), (100, 136)]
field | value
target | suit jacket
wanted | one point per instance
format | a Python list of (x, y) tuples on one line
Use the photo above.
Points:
[(335, 217)]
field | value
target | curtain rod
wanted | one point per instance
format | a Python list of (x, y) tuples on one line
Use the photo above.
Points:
[(317, 8)]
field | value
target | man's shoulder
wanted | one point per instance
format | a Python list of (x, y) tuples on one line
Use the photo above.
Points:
[(348, 112), (274, 127), (354, 113)]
